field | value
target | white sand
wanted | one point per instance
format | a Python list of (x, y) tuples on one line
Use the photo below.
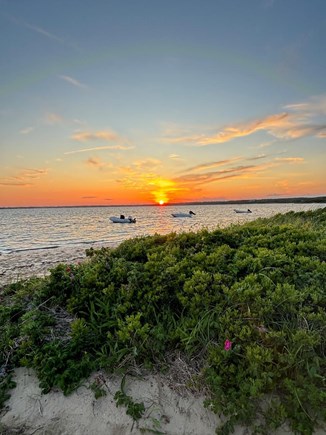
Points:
[(167, 411), (80, 413)]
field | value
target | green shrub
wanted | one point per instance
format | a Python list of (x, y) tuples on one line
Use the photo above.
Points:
[(246, 303)]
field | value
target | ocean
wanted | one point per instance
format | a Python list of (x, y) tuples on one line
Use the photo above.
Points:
[(29, 229)]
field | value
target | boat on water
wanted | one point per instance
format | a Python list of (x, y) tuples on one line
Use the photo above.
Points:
[(177, 215), (243, 211), (123, 220)]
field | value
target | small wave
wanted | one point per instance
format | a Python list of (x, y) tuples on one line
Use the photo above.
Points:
[(10, 251)]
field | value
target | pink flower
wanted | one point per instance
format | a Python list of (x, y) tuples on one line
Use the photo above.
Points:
[(227, 345)]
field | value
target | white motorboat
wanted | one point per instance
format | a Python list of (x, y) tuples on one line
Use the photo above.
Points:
[(177, 215), (123, 220), (243, 211)]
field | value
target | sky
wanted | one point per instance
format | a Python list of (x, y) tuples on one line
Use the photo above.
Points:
[(108, 102)]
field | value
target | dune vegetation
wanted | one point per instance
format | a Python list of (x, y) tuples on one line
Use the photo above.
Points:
[(245, 305)]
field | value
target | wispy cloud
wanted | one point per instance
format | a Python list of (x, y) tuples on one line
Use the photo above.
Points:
[(107, 147), (148, 163), (53, 118), (24, 178), (260, 157), (73, 81), (211, 165), (98, 163), (14, 183), (196, 176), (43, 32), (300, 120), (26, 130), (89, 197), (313, 106), (105, 135), (290, 160), (209, 177)]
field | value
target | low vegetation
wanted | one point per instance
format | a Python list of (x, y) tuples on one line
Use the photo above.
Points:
[(246, 302)]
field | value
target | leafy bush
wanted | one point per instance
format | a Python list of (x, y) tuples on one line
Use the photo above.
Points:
[(246, 302)]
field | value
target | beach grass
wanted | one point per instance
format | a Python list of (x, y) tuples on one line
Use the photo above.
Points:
[(244, 305)]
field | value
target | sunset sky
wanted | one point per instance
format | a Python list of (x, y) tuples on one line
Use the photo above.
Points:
[(140, 101)]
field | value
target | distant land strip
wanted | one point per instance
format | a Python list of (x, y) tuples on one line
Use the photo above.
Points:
[(298, 200)]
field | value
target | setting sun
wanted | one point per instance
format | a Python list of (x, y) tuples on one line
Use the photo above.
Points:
[(161, 202)]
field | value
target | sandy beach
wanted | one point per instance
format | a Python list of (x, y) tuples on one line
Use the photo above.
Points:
[(25, 264), (170, 409), (80, 413)]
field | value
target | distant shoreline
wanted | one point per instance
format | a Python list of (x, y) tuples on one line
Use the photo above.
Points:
[(296, 200)]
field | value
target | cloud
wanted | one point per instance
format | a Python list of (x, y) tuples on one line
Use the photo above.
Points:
[(300, 120), (199, 175), (174, 156), (89, 197), (261, 156), (97, 163), (290, 160), (209, 177), (92, 161), (24, 178), (210, 165), (107, 147), (53, 118), (85, 136), (42, 32), (12, 183), (32, 173), (149, 163), (73, 81), (26, 130), (313, 106), (269, 123)]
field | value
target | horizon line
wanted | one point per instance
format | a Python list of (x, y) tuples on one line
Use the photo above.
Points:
[(318, 198)]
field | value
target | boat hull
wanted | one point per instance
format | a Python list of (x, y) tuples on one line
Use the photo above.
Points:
[(243, 211), (117, 220)]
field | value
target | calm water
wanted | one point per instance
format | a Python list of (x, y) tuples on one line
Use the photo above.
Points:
[(44, 228)]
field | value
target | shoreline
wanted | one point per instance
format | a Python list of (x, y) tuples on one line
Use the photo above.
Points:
[(321, 199), (20, 265)]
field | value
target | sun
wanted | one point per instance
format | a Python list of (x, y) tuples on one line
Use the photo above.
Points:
[(161, 202)]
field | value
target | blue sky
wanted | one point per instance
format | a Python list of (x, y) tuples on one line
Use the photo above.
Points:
[(137, 101)]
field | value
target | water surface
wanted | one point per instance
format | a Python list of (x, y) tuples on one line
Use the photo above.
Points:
[(51, 228)]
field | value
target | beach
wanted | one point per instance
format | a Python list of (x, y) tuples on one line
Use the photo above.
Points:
[(25, 264), (171, 408)]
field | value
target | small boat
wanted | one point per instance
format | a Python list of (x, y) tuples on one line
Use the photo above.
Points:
[(243, 211), (190, 214), (123, 220)]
